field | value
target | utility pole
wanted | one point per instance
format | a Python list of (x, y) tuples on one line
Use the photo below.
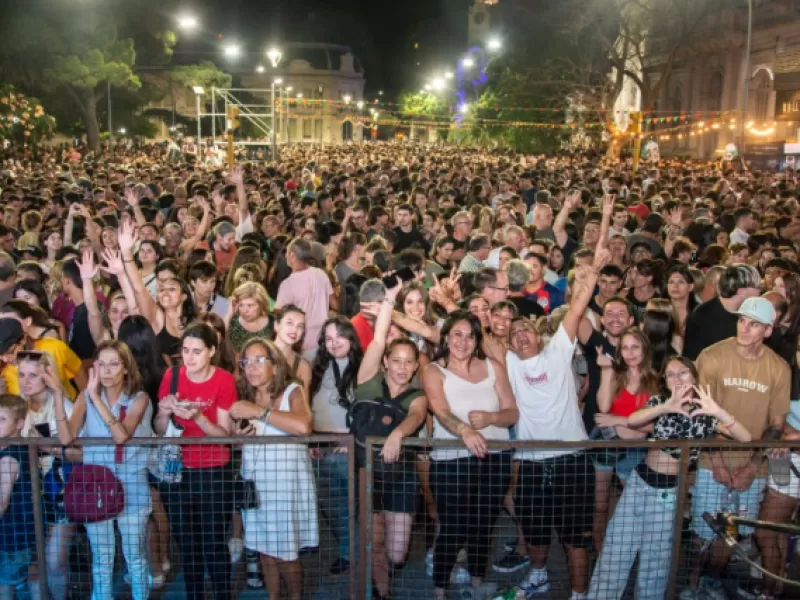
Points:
[(232, 124), (636, 129)]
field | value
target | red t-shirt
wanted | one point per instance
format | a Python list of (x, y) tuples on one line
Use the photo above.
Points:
[(364, 330), (219, 391), (625, 404)]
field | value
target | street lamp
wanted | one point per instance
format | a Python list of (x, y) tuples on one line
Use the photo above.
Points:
[(347, 98), (380, 92), (448, 75), (122, 130), (187, 22), (198, 91), (274, 55), (464, 108), (260, 69), (438, 83), (494, 44), (468, 62), (299, 94), (427, 87), (360, 104), (231, 50)]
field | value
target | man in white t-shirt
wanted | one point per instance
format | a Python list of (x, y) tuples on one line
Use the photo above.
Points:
[(555, 488)]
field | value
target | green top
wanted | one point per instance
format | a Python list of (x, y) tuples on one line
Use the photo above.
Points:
[(373, 388), (239, 336)]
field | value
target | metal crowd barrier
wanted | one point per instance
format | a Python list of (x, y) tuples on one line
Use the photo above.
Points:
[(442, 494)]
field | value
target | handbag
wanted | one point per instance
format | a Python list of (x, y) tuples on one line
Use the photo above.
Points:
[(168, 466), (93, 494), (245, 494)]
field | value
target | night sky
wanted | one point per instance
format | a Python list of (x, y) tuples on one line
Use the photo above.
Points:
[(382, 33)]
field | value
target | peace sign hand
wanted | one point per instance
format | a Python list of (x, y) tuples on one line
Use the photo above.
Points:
[(603, 360)]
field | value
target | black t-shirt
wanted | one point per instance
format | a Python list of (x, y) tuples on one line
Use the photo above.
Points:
[(708, 324), (80, 338), (410, 239), (527, 308), (590, 352)]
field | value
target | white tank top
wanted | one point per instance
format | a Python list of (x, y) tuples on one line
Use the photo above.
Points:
[(463, 397)]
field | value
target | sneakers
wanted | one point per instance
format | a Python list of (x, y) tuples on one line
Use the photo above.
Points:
[(511, 562), (236, 548), (536, 583), (339, 566), (712, 589), (254, 579)]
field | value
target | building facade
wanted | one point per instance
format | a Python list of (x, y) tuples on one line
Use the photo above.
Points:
[(713, 78), (321, 89)]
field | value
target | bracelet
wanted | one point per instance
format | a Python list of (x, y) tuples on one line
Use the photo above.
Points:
[(60, 420), (129, 261)]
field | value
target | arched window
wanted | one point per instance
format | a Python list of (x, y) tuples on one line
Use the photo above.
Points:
[(713, 95), (761, 92)]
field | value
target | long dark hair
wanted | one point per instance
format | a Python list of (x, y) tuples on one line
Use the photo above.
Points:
[(323, 358), (136, 332), (443, 349), (684, 272), (658, 324), (225, 357), (24, 310), (188, 308), (350, 305), (37, 289)]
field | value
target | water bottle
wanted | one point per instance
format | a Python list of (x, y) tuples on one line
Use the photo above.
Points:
[(729, 502)]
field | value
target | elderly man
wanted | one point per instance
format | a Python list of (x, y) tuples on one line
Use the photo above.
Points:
[(513, 238), (479, 247)]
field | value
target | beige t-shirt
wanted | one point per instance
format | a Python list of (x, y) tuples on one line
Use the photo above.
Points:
[(755, 392)]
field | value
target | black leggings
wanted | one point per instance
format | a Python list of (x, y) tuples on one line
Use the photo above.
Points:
[(469, 493), (200, 510)]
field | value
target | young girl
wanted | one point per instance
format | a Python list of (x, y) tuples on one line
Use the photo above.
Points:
[(200, 506), (290, 324), (396, 491), (643, 522)]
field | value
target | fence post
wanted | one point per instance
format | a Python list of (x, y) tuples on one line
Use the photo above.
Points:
[(366, 504), (38, 520), (680, 508), (352, 517)]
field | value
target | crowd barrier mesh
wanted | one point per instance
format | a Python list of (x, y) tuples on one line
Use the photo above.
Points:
[(320, 517)]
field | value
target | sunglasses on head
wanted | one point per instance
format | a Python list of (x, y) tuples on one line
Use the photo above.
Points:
[(31, 355)]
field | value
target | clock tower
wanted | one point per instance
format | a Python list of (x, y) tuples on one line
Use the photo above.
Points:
[(479, 22)]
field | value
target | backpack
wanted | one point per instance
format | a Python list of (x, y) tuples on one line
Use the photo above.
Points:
[(376, 417)]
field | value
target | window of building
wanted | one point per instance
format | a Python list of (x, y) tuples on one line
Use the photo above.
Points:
[(306, 129), (318, 129)]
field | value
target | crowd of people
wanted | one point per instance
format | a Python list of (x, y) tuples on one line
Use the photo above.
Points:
[(404, 291)]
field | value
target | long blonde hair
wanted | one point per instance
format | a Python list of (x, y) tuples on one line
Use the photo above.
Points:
[(47, 410)]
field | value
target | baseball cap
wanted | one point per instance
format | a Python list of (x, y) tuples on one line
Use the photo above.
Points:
[(758, 309), (10, 333), (640, 210)]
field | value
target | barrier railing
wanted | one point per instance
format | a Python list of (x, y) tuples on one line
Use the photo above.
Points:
[(436, 518), (666, 534)]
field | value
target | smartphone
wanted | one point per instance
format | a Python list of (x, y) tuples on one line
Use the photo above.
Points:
[(244, 424), (405, 274), (43, 429)]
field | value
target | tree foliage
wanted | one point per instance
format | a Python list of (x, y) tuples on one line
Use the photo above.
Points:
[(205, 74), (23, 119)]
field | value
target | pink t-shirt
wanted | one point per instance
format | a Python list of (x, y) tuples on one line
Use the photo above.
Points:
[(310, 290)]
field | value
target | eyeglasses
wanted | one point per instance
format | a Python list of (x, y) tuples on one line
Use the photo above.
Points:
[(500, 289), (253, 362), (685, 375)]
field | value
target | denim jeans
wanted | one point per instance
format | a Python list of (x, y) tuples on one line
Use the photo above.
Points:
[(133, 529), (642, 524), (332, 474), (200, 511)]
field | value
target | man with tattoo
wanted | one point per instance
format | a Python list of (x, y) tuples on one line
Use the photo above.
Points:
[(751, 383)]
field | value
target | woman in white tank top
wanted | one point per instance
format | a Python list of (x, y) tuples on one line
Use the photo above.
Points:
[(471, 398)]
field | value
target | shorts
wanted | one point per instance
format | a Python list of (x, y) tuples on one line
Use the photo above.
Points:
[(624, 465), (395, 489), (792, 489), (707, 496), (14, 567), (556, 494)]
